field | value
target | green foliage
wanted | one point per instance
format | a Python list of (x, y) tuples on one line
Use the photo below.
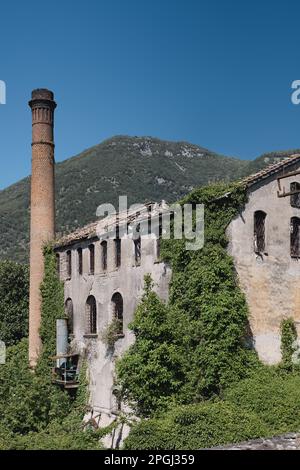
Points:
[(265, 404), (35, 414), (14, 293), (52, 292), (288, 337), (196, 345), (273, 395), (28, 401), (150, 372), (111, 333), (195, 427)]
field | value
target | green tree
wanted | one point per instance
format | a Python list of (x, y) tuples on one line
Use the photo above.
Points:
[(14, 298)]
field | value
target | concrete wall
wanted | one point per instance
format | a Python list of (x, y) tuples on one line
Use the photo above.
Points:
[(271, 282), (128, 280)]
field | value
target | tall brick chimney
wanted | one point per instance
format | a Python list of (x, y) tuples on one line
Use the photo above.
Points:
[(42, 222)]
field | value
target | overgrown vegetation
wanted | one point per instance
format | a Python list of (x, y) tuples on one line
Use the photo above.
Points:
[(192, 369), (14, 297), (35, 414), (196, 345), (111, 333), (263, 405)]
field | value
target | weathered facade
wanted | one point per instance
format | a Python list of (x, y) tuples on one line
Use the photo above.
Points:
[(264, 242), (104, 280)]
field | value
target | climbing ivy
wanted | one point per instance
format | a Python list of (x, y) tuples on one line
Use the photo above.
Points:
[(52, 293), (196, 345), (35, 414)]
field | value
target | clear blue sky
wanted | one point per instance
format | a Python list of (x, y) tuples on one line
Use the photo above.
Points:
[(215, 73)]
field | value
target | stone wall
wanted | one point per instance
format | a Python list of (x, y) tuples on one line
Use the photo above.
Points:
[(128, 280), (271, 280)]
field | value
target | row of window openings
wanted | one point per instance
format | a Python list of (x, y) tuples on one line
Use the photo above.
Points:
[(260, 234), (91, 314), (91, 248)]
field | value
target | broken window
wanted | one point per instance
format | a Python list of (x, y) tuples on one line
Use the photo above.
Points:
[(79, 254), (259, 231), (69, 315), (91, 315), (295, 233), (69, 264), (117, 301), (104, 255), (295, 198), (92, 259)]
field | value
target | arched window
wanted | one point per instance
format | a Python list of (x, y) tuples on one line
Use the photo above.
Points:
[(79, 259), (92, 258), (295, 198), (259, 231), (295, 234), (117, 302), (69, 315), (104, 255), (69, 264), (91, 315)]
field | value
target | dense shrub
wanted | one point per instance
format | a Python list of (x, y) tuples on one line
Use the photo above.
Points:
[(190, 427), (14, 295), (34, 413), (274, 396)]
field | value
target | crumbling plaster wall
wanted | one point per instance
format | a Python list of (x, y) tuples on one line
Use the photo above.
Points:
[(271, 282), (128, 280)]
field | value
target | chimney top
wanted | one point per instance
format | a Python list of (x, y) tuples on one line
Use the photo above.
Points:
[(42, 97), (42, 94)]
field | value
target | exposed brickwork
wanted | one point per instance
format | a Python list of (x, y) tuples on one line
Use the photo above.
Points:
[(42, 223)]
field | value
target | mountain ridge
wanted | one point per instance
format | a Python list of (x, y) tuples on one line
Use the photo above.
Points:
[(143, 168)]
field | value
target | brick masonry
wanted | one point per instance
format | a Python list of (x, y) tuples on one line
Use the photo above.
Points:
[(42, 222)]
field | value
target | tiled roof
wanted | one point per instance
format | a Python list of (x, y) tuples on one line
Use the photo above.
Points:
[(271, 169), (103, 226)]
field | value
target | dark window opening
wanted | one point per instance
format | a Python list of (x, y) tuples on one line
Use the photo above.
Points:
[(137, 246), (117, 301), (57, 257), (158, 240), (104, 255), (295, 233), (69, 315), (91, 315), (118, 252), (295, 198), (69, 263), (259, 231), (137, 251), (79, 254), (92, 259)]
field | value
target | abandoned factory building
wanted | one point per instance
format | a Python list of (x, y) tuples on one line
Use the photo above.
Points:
[(104, 277)]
